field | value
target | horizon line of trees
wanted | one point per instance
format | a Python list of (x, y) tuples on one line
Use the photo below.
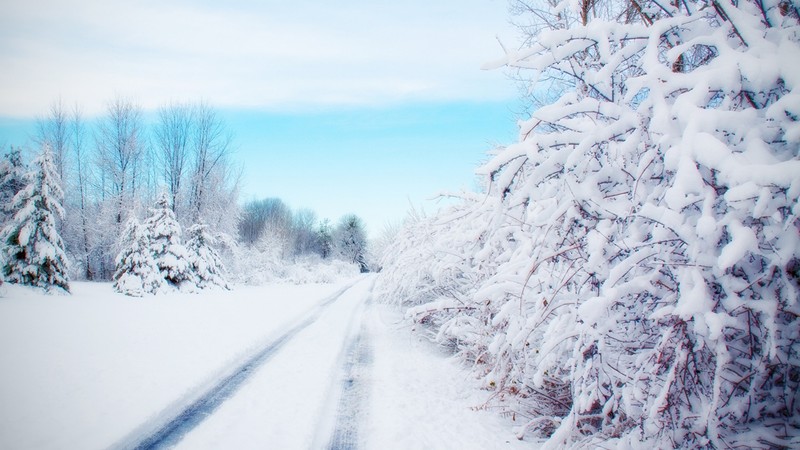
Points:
[(111, 168), (272, 224)]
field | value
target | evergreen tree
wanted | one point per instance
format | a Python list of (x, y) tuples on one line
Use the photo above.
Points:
[(136, 271), (165, 244), (34, 252), (12, 180), (204, 261), (324, 239)]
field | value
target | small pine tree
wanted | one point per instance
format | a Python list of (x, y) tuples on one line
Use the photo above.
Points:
[(165, 245), (34, 252), (205, 262), (136, 271)]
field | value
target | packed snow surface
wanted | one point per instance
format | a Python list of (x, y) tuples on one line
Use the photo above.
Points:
[(93, 369)]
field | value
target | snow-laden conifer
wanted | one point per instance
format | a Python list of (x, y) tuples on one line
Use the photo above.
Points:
[(136, 271), (629, 278), (12, 180), (33, 250), (166, 247), (204, 261)]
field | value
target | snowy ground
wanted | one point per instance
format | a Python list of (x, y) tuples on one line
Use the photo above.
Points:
[(334, 369)]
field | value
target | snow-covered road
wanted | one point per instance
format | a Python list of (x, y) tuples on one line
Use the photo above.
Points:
[(287, 367), (284, 400)]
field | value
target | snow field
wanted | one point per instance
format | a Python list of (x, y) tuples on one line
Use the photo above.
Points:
[(99, 369), (82, 371)]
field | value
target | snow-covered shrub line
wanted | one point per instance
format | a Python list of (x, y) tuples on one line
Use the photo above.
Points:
[(630, 275)]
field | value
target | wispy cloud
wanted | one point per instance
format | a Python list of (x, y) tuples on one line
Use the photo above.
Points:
[(269, 54)]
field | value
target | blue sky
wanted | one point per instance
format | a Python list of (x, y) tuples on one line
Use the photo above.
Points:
[(357, 106)]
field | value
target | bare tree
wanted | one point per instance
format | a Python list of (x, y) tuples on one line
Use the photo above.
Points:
[(268, 216), (53, 131), (120, 151), (211, 146), (82, 173), (305, 232), (120, 154), (172, 138), (350, 240)]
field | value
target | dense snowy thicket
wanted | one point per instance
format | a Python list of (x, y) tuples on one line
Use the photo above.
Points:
[(33, 252), (630, 275)]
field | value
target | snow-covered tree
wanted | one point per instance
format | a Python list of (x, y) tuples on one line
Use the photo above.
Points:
[(629, 277), (204, 261), (350, 240), (33, 251), (136, 271), (170, 255), (12, 180), (325, 239)]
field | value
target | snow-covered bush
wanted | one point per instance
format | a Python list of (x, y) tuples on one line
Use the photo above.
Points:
[(631, 272), (136, 271), (313, 269), (33, 250), (256, 265), (204, 261)]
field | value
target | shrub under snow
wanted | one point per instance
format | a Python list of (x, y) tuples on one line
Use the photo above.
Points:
[(630, 275)]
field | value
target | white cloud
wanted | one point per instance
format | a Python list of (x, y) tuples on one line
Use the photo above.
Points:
[(271, 54)]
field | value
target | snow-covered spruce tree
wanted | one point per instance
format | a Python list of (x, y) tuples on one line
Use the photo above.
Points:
[(33, 250), (643, 251), (205, 262), (136, 271), (12, 180), (166, 248)]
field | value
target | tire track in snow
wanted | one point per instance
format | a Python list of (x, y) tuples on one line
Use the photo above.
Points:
[(170, 430), (354, 392)]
